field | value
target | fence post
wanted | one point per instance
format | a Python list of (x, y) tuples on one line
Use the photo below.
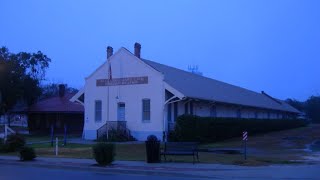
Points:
[(57, 142), (65, 135), (52, 132), (5, 133)]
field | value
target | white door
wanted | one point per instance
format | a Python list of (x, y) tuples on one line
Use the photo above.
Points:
[(121, 111)]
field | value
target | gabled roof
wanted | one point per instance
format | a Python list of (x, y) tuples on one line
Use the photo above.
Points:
[(57, 104), (200, 87)]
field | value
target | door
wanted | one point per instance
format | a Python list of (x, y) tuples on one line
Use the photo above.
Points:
[(121, 111)]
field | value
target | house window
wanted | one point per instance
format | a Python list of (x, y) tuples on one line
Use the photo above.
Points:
[(121, 111), (213, 111), (191, 108), (175, 111), (98, 111), (146, 109), (256, 115), (268, 115)]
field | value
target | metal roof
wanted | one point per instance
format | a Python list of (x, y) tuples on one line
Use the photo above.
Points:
[(57, 104), (200, 87)]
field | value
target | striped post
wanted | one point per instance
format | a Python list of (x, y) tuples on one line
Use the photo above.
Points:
[(245, 139)]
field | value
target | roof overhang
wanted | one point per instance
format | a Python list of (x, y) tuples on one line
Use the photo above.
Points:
[(76, 97), (175, 92)]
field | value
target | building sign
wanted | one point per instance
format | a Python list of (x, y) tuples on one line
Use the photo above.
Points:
[(122, 81)]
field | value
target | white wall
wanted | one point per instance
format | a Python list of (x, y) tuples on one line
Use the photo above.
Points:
[(124, 64)]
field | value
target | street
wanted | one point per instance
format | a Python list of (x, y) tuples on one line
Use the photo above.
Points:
[(17, 172), (20, 172)]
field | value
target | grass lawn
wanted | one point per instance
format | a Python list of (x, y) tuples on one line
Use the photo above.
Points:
[(271, 148), (37, 138)]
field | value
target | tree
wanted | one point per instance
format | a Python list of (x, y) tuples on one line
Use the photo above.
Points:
[(52, 89), (20, 77), (312, 108), (296, 104)]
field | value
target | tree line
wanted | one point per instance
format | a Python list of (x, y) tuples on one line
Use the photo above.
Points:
[(21, 79), (310, 107)]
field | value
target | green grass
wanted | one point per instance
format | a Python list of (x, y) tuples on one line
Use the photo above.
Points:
[(39, 138), (61, 145), (273, 148)]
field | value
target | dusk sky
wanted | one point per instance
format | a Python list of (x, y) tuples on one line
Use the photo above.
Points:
[(271, 45)]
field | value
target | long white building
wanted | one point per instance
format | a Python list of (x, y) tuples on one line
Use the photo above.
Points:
[(146, 97)]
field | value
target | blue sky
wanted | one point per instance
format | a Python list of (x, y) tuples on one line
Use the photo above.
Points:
[(270, 45)]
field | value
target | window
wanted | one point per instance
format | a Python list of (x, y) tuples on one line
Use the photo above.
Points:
[(268, 115), (146, 109), (256, 115), (121, 111), (213, 111), (191, 108), (98, 111)]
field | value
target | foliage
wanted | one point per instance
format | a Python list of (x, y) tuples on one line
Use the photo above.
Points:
[(296, 104), (52, 89), (312, 108), (14, 143), (207, 129), (103, 153), (3, 146), (116, 136), (27, 154), (20, 77)]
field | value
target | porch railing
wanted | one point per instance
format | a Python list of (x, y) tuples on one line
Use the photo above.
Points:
[(105, 129)]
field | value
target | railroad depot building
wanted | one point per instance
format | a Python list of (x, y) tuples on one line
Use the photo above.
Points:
[(146, 97)]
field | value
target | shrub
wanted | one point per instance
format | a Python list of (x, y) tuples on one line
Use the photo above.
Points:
[(3, 146), (116, 136), (103, 153), (14, 143), (208, 129), (27, 154)]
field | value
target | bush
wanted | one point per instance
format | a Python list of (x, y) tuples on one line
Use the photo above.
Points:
[(3, 147), (116, 136), (208, 129), (103, 153), (27, 154), (14, 143)]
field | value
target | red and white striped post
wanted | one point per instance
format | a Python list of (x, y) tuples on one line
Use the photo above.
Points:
[(245, 139)]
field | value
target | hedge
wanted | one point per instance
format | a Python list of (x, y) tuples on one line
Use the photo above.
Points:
[(208, 129), (103, 153)]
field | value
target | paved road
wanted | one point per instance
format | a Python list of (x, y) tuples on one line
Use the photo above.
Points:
[(16, 172), (21, 172)]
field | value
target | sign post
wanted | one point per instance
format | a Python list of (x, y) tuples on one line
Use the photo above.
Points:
[(245, 139)]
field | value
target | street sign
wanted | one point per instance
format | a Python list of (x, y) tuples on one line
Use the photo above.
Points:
[(245, 136)]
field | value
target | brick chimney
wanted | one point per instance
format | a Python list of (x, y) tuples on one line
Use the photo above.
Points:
[(62, 90), (137, 49), (109, 51)]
